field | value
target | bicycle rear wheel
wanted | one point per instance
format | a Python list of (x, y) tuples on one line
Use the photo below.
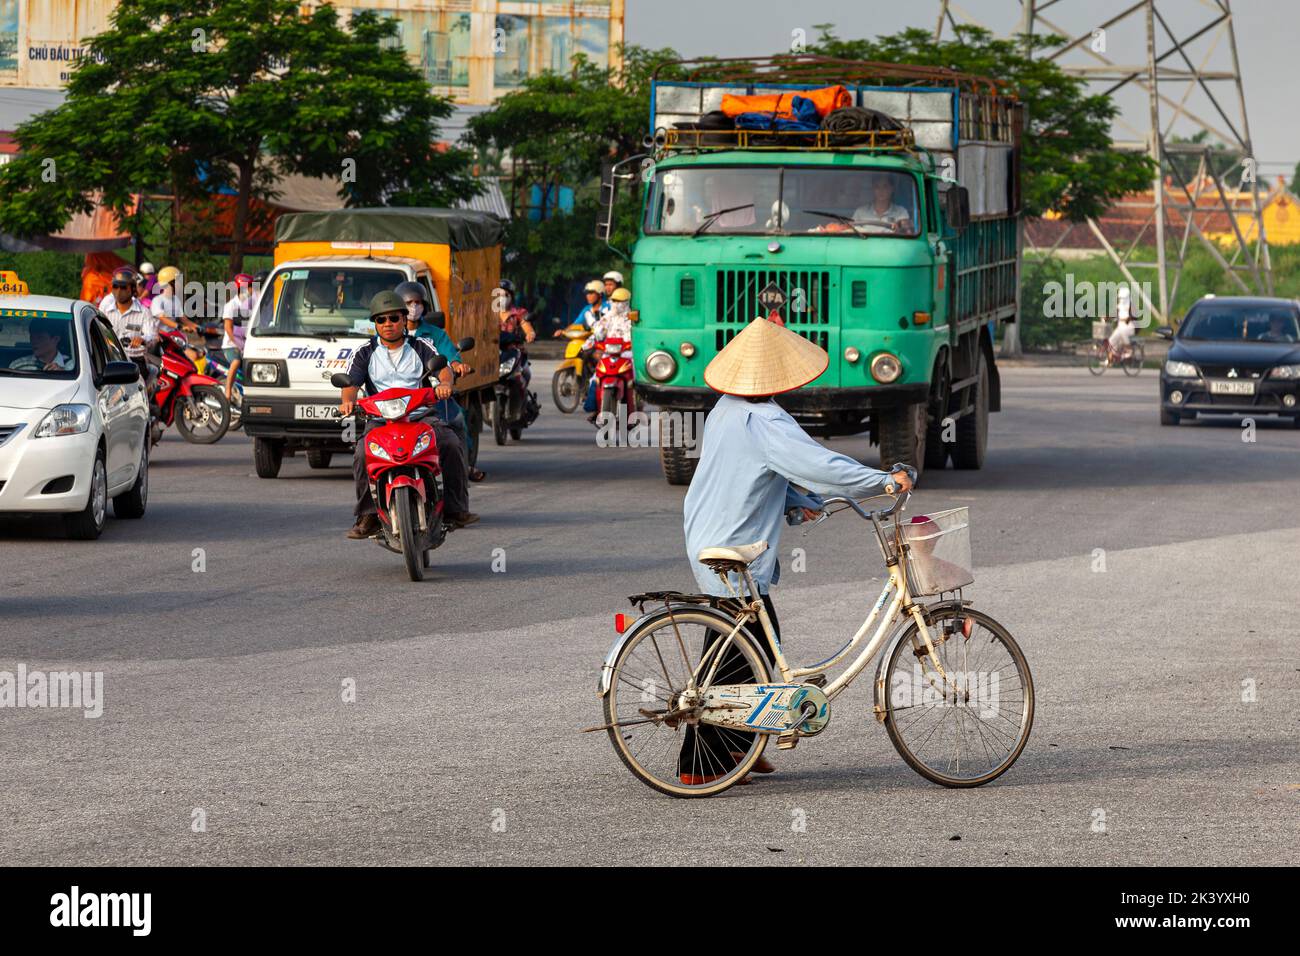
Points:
[(673, 755), (968, 734), (1096, 360)]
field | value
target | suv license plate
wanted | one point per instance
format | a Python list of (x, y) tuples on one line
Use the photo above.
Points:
[(1230, 387)]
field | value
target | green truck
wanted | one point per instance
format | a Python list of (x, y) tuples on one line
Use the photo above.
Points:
[(896, 249)]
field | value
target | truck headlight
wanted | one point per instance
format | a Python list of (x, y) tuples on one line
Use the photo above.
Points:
[(660, 366), (64, 420), (264, 373), (1181, 369), (886, 368), (1285, 371)]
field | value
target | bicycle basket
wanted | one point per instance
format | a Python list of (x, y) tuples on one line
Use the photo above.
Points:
[(938, 551)]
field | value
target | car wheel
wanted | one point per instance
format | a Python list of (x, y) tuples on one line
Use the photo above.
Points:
[(88, 523), (267, 456), (131, 503)]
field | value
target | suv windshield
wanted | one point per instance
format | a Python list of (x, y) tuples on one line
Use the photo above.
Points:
[(322, 300), (1241, 322), (782, 200), (37, 343)]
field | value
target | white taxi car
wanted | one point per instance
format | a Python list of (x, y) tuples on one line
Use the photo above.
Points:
[(74, 417)]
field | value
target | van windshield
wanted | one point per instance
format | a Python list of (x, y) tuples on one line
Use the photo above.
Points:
[(322, 300), (782, 200)]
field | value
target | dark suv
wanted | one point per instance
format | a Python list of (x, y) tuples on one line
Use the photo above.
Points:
[(1233, 356)]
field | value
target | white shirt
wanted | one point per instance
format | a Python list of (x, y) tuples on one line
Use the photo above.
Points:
[(32, 363), (168, 306), (1123, 334), (395, 368), (134, 320), (240, 310), (895, 213)]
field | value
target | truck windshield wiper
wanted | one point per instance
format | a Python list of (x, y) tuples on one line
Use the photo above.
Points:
[(712, 217), (847, 220)]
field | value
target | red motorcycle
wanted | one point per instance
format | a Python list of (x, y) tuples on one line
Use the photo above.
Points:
[(402, 465), (614, 377), (195, 402)]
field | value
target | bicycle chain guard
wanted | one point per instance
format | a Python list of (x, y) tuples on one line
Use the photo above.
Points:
[(803, 709)]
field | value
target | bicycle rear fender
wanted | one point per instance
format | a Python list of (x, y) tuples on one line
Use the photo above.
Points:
[(881, 691), (650, 619)]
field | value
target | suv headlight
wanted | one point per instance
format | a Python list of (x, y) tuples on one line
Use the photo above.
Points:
[(660, 366), (1285, 371), (64, 420), (1181, 369), (264, 373)]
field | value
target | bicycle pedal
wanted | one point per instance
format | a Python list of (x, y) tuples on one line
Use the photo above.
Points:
[(787, 741)]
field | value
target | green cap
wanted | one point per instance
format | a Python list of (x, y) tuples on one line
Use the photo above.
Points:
[(386, 301)]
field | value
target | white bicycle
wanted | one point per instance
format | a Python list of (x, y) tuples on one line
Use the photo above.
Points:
[(690, 700)]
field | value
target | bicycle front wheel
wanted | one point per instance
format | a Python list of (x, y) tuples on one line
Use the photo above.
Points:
[(1133, 361), (673, 754), (967, 730)]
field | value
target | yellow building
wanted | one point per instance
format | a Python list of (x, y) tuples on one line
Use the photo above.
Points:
[(1281, 213), (470, 50)]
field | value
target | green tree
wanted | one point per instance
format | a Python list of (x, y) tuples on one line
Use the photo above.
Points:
[(196, 95), (1069, 166)]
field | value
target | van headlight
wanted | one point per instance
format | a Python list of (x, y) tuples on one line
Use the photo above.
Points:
[(1180, 369), (660, 366), (64, 420), (886, 368), (264, 373)]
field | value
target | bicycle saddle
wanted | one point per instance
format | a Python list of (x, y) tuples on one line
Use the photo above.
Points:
[(739, 555)]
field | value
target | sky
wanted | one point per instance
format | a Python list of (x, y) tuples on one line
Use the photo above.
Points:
[(1267, 32)]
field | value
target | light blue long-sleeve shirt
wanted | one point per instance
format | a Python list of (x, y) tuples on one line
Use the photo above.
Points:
[(750, 454)]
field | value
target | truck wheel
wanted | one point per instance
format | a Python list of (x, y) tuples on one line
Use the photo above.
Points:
[(678, 467), (973, 428), (902, 436), (936, 449), (267, 456), (319, 457)]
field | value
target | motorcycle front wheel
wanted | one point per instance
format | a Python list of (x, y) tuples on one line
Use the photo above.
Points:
[(499, 421), (406, 506), (205, 418), (565, 390)]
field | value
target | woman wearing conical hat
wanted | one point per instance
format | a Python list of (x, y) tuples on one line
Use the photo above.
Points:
[(751, 455)]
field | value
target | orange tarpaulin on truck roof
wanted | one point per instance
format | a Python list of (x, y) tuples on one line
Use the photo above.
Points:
[(826, 99)]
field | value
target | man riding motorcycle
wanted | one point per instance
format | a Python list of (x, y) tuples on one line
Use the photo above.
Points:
[(423, 323), (392, 359)]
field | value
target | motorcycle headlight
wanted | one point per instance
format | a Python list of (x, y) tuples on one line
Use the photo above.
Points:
[(64, 420), (377, 450), (421, 444), (886, 368), (505, 368), (264, 373), (660, 366), (1181, 369), (392, 408), (1285, 371)]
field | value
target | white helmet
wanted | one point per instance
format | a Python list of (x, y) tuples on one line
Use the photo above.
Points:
[(616, 276), (147, 269)]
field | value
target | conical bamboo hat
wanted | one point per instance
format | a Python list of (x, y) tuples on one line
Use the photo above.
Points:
[(765, 359)]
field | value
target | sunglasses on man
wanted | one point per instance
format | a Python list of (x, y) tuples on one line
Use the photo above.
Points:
[(123, 285), (390, 318)]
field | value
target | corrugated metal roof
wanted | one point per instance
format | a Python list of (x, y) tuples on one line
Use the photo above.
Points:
[(491, 200)]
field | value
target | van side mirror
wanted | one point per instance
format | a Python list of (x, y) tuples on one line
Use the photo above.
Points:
[(466, 344), (956, 207)]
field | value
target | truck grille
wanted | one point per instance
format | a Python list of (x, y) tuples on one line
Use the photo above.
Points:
[(737, 301)]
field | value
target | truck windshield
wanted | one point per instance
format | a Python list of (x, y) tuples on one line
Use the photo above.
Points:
[(322, 300), (782, 200)]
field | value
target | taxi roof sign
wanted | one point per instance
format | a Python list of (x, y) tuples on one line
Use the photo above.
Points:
[(10, 284)]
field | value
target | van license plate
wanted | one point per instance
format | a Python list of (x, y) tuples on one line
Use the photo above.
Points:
[(315, 412), (1229, 387)]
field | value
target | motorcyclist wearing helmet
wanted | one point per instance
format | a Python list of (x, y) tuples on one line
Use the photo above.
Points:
[(593, 310), (393, 359), (614, 324), (613, 280), (424, 323), (516, 330)]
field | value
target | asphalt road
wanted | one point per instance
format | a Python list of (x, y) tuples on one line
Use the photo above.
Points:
[(1168, 684)]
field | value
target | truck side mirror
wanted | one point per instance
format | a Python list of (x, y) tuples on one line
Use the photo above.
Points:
[(466, 344), (956, 207), (341, 380)]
